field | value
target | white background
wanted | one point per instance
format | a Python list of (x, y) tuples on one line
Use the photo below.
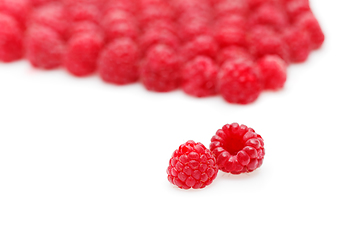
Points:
[(80, 159)]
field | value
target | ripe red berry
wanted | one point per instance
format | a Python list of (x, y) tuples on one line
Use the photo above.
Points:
[(199, 77), (83, 12), (44, 47), (237, 149), (310, 25), (233, 52), (192, 166), (52, 16), (11, 44), (269, 15), (18, 9), (295, 8), (202, 45), (154, 37), (231, 35), (118, 63), (160, 69), (298, 44), (272, 72), (82, 53), (191, 29), (238, 82), (121, 30), (83, 27)]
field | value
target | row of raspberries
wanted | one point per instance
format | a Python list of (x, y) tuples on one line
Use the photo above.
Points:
[(234, 149), (235, 48)]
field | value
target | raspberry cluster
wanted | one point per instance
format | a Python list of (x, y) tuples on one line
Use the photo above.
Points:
[(234, 149), (234, 48)]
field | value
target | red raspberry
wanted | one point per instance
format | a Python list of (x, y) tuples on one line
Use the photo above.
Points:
[(117, 16), (82, 53), (160, 69), (192, 166), (121, 30), (45, 48), (272, 72), (253, 4), (237, 149), (11, 44), (124, 5), (201, 45), (299, 45), (190, 30), (270, 15), (228, 7), (156, 12), (84, 12), (199, 77), (83, 27), (118, 63), (264, 41), (52, 16), (233, 52), (18, 9), (231, 35), (310, 25), (238, 82), (154, 37), (37, 3), (233, 20), (295, 8)]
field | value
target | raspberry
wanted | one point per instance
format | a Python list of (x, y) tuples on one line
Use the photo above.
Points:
[(310, 25), (299, 45), (121, 30), (199, 77), (272, 72), (18, 9), (196, 27), (11, 44), (154, 37), (156, 12), (238, 82), (231, 53), (37, 3), (269, 15), (228, 7), (52, 16), (295, 8), (116, 16), (264, 41), (83, 27), (231, 35), (237, 149), (45, 48), (192, 166), (84, 12), (160, 69), (82, 53), (201, 45), (118, 63)]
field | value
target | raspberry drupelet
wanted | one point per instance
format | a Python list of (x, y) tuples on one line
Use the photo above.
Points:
[(237, 149), (192, 165), (238, 82), (199, 77)]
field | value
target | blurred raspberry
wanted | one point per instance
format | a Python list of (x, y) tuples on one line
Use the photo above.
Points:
[(296, 8), (82, 53), (121, 30), (192, 166), (272, 72), (231, 35), (154, 37), (18, 9), (83, 27), (194, 28), (237, 149), (298, 44), (228, 7), (160, 69), (238, 82), (310, 25), (11, 44), (118, 63), (201, 45), (83, 12), (233, 52), (269, 15), (44, 48), (199, 77)]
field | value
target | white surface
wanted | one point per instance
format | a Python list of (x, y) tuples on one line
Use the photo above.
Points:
[(80, 159)]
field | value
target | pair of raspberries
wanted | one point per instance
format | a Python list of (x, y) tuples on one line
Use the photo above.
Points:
[(234, 149), (235, 48)]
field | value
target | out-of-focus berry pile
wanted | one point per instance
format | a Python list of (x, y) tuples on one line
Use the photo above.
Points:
[(235, 48)]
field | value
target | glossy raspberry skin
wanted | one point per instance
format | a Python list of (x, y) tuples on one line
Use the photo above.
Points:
[(44, 48), (192, 166), (237, 149), (272, 72), (160, 69), (118, 63), (11, 44), (238, 82), (82, 53), (199, 77)]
